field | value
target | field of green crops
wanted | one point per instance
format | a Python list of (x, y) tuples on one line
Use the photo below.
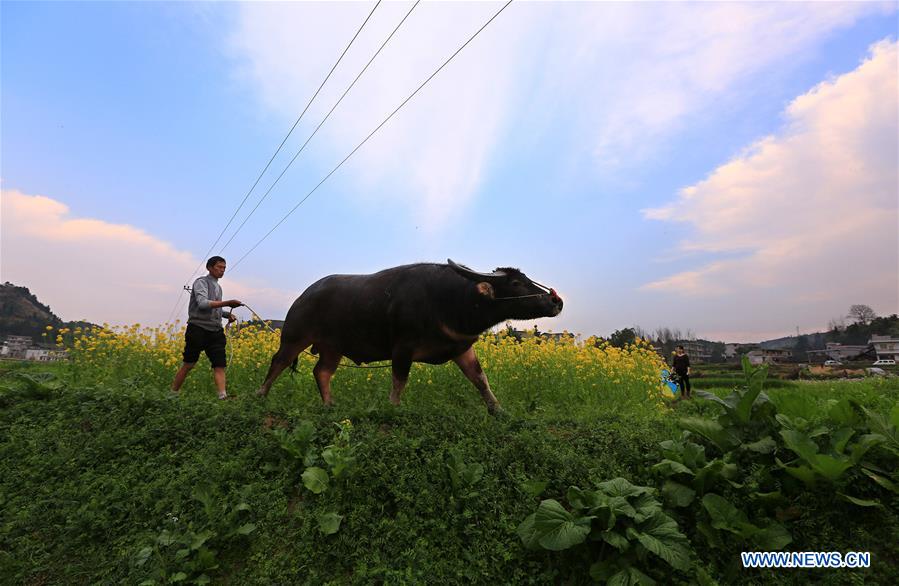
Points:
[(105, 477)]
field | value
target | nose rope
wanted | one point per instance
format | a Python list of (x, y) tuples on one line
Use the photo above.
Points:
[(549, 291)]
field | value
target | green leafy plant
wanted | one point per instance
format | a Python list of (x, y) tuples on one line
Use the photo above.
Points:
[(621, 523), (187, 552), (725, 517), (341, 455), (296, 444), (746, 414), (887, 428), (38, 385), (744, 443), (464, 476)]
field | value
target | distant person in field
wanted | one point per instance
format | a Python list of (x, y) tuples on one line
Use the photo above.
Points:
[(204, 326), (681, 366)]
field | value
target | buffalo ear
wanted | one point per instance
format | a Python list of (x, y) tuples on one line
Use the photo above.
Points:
[(486, 289)]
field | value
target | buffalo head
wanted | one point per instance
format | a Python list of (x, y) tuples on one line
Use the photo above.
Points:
[(512, 293)]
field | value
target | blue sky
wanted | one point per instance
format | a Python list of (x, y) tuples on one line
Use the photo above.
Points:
[(724, 168)]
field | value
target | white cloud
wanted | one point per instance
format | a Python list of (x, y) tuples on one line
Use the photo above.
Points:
[(620, 79), (809, 215), (433, 151), (86, 268)]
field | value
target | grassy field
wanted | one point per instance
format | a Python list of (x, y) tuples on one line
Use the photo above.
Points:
[(106, 478)]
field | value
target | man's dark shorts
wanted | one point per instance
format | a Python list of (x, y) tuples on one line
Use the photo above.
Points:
[(197, 340)]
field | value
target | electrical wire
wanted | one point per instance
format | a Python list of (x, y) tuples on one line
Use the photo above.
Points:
[(339, 59), (314, 132), (281, 221)]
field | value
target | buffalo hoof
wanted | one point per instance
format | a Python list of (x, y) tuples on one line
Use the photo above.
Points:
[(261, 393), (495, 410)]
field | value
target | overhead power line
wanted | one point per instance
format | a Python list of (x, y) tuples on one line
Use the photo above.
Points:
[(314, 132), (278, 150), (404, 102)]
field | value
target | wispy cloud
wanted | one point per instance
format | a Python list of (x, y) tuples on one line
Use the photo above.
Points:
[(85, 268), (618, 80), (812, 208)]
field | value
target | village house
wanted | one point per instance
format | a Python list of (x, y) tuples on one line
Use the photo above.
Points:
[(886, 347), (23, 348), (698, 350), (839, 352), (16, 346), (769, 356)]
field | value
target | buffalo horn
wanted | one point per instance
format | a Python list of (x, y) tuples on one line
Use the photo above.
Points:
[(474, 275)]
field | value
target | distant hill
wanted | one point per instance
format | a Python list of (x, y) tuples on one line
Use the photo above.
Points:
[(22, 314), (857, 333), (816, 340)]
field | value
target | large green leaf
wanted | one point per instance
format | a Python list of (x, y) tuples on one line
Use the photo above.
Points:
[(865, 443), (528, 532), (646, 506), (676, 494), (670, 468), (727, 517), (743, 412), (894, 416), (315, 479), (201, 538), (621, 487), (831, 467), (630, 576), (712, 473), (616, 540), (304, 432), (771, 538), (728, 403), (886, 427), (859, 502), (724, 440), (661, 536), (329, 523), (533, 488), (840, 438), (558, 528), (766, 445), (803, 473), (884, 482), (619, 506), (843, 413), (602, 570), (694, 455), (800, 443), (585, 499)]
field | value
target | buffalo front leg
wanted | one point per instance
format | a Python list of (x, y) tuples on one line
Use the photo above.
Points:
[(400, 368), (470, 366), (323, 371), (285, 355)]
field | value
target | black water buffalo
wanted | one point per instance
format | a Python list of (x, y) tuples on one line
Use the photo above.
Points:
[(413, 313)]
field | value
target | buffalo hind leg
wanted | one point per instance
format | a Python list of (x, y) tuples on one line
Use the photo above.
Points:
[(400, 368), (323, 371), (470, 366), (285, 355)]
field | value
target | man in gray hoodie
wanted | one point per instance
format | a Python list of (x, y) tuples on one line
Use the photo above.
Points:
[(204, 326)]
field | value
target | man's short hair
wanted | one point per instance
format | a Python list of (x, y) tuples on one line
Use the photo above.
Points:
[(681, 347), (214, 261)]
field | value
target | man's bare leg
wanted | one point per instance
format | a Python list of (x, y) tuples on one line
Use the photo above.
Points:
[(218, 374), (181, 375)]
